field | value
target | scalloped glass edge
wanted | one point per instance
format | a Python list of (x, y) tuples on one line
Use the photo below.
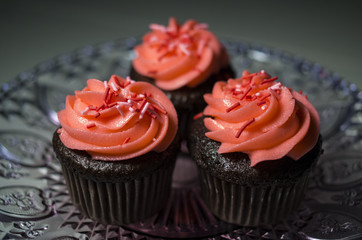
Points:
[(335, 81)]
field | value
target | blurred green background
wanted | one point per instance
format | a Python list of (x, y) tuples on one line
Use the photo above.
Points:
[(326, 32)]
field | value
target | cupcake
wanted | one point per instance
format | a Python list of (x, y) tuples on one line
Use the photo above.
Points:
[(117, 146), (255, 145), (183, 60)]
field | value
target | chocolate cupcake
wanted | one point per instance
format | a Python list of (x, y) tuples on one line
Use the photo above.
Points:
[(183, 60), (117, 146), (255, 147)]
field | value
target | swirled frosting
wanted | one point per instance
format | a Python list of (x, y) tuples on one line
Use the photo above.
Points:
[(177, 56), (118, 119), (260, 117)]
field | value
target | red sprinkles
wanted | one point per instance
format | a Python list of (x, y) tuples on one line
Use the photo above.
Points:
[(91, 125), (244, 126), (126, 140), (174, 41), (269, 80), (249, 76), (265, 97), (136, 103), (252, 82), (97, 114), (197, 116), (232, 107), (246, 93), (275, 93), (106, 94), (159, 108), (261, 103), (152, 72)]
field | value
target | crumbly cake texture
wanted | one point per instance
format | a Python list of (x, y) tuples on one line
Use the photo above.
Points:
[(118, 192), (240, 194), (235, 167), (108, 171)]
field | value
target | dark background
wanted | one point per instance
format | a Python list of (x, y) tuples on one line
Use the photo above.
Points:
[(326, 32)]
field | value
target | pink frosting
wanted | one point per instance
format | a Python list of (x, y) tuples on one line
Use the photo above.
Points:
[(117, 120), (177, 56), (260, 117)]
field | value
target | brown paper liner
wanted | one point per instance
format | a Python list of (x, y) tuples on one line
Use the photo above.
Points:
[(250, 205), (120, 202)]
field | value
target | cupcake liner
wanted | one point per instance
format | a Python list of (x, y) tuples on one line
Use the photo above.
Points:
[(250, 205), (120, 202)]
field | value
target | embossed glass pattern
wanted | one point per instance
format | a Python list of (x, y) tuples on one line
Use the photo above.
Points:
[(34, 202)]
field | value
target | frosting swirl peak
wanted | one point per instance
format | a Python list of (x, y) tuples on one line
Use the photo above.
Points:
[(260, 117), (118, 120), (176, 56)]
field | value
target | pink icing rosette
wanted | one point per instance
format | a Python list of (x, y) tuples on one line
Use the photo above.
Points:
[(260, 117), (118, 120), (176, 56)]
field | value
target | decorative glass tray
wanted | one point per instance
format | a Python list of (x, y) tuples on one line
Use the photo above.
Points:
[(34, 202)]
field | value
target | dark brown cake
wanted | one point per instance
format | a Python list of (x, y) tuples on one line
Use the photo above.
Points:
[(117, 192), (183, 60), (188, 99), (240, 194)]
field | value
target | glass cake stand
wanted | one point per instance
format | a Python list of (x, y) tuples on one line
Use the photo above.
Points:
[(34, 202)]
